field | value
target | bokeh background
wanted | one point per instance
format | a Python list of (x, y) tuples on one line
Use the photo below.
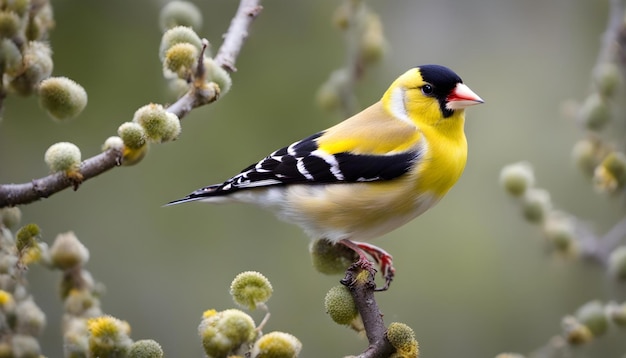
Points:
[(473, 278)]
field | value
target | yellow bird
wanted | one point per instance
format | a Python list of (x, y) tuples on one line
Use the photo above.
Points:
[(369, 174)]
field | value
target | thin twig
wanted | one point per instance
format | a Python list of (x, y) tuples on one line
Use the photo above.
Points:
[(237, 33), (360, 282), (20, 194)]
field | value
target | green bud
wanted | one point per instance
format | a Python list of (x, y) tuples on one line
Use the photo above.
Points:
[(218, 75), (592, 315), (158, 124), (585, 156), (25, 236), (10, 217), (36, 65), (180, 61), (517, 178), (595, 112), (113, 142), (40, 25), (250, 288), (176, 35), (67, 252), (402, 338), (610, 175), (560, 231), (575, 333), (329, 94), (340, 305), (145, 348), (132, 134), (62, 98), (617, 314), (10, 58), (607, 78), (180, 13), (63, 156), (617, 263), (10, 24), (329, 258), (224, 332), (373, 44), (536, 204), (276, 345)]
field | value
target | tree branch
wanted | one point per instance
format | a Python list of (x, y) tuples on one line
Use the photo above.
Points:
[(199, 94), (360, 282)]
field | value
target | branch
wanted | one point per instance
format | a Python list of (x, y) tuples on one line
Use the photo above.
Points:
[(237, 33), (200, 94), (360, 282)]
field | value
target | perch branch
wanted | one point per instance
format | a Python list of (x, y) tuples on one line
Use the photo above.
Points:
[(20, 194), (360, 281)]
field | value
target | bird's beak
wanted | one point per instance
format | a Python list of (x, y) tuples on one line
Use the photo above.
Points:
[(461, 97)]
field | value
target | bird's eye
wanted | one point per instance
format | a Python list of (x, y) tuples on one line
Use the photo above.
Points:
[(427, 90)]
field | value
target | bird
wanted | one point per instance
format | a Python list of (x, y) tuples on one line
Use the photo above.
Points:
[(371, 173)]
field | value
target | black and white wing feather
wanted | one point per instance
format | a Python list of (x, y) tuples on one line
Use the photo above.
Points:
[(303, 162)]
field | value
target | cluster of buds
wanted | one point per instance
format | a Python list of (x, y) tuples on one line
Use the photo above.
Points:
[(233, 333), (559, 228), (26, 59), (366, 46)]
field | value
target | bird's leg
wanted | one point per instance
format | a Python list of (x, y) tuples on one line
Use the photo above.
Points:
[(382, 258)]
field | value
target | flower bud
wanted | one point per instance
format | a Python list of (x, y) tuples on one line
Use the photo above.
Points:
[(402, 338), (63, 157), (536, 204), (250, 288), (158, 124), (276, 345), (67, 252), (10, 24), (617, 314), (329, 258), (132, 134), (607, 78), (373, 44), (560, 231), (178, 34), (108, 337), (594, 112), (10, 217), (585, 156), (329, 95), (610, 176), (10, 58), (617, 263), (180, 61), (25, 346), (340, 305), (113, 142), (62, 98), (592, 315), (36, 65), (224, 332), (30, 318), (574, 332), (145, 348), (180, 13), (517, 178), (218, 75)]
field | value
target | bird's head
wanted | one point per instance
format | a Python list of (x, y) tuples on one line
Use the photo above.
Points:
[(428, 95)]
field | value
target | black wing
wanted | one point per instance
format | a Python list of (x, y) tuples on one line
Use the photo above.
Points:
[(302, 162)]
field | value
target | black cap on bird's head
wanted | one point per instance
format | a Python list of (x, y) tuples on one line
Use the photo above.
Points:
[(448, 88)]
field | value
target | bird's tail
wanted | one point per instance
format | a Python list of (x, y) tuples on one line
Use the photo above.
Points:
[(201, 194)]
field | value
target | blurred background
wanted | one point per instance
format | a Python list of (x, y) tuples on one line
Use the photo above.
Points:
[(473, 278)]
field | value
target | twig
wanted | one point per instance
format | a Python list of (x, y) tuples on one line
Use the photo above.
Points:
[(360, 282), (237, 33), (20, 194)]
